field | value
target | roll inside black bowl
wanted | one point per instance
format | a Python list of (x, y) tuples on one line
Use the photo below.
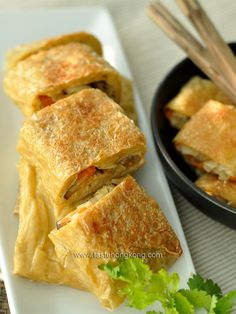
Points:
[(177, 170)]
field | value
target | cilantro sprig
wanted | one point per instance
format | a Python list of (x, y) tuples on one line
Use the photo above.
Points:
[(142, 287)]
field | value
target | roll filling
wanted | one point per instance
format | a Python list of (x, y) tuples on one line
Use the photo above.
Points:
[(93, 175), (46, 100)]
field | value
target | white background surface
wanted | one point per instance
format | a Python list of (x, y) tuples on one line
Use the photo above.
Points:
[(150, 55)]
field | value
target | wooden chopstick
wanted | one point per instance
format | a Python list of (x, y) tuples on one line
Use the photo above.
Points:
[(220, 51), (217, 62)]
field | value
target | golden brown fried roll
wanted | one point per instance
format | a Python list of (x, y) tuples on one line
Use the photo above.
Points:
[(208, 140), (49, 75), (191, 97), (127, 101), (80, 143), (223, 190), (121, 219), (35, 256), (24, 51)]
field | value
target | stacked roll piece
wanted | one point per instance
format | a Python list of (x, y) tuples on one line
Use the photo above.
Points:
[(205, 118)]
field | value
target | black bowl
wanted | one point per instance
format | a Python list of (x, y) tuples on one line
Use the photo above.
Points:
[(177, 171)]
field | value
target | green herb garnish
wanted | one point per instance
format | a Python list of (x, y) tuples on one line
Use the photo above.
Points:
[(142, 287)]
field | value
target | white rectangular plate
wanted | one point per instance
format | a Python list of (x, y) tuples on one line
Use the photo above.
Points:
[(26, 297)]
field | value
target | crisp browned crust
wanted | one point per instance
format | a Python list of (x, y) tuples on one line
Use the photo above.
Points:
[(211, 132), (223, 190), (53, 71), (83, 130), (126, 220), (194, 94), (22, 52)]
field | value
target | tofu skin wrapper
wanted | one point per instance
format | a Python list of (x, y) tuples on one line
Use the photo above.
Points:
[(49, 75), (223, 190), (35, 256), (208, 140), (123, 220), (80, 143), (127, 101), (24, 51), (192, 97)]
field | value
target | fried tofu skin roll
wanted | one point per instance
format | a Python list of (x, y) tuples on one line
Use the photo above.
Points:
[(222, 190), (191, 97), (120, 219), (35, 256), (80, 143), (49, 75), (22, 52), (208, 140)]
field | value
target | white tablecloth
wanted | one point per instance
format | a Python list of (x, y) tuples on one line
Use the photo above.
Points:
[(151, 55)]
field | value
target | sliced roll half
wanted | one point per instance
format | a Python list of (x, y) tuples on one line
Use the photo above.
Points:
[(119, 220), (191, 97), (49, 75), (208, 140), (80, 143)]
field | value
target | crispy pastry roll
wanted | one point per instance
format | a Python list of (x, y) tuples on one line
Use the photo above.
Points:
[(223, 190), (119, 220), (49, 75), (24, 51), (208, 140), (80, 143), (191, 97), (35, 257)]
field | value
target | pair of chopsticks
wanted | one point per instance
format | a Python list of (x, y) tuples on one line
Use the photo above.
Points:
[(213, 56)]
